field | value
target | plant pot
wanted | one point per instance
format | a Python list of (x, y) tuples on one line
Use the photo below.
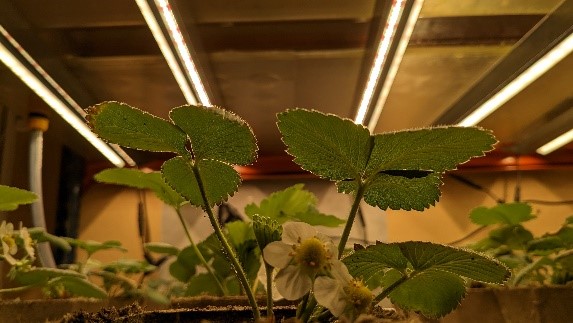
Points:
[(520, 304), (213, 310), (46, 310)]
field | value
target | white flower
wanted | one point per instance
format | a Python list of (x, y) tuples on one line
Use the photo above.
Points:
[(9, 247), (343, 295), (300, 256), (27, 240)]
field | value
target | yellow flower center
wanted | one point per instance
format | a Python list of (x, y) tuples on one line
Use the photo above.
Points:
[(312, 254), (10, 242), (359, 296)]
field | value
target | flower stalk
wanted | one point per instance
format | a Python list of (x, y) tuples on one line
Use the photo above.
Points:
[(199, 254), (229, 252)]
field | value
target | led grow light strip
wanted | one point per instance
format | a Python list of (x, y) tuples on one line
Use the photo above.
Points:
[(176, 37), (395, 64), (379, 59), (556, 143), (532, 73), (48, 95)]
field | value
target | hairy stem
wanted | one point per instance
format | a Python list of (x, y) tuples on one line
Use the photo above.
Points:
[(350, 220), (199, 254), (269, 272), (229, 252)]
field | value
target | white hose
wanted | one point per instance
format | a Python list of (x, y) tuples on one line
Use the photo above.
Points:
[(38, 219)]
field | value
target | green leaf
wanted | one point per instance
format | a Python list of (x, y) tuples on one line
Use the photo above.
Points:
[(181, 272), (184, 267), (242, 237), (511, 213), (219, 180), (392, 169), (161, 248), (397, 192), (432, 293), (202, 284), (372, 263), (216, 134), (431, 273), (79, 286), (292, 204), (436, 149), (41, 275), (12, 197), (91, 246), (465, 263), (549, 244), (239, 232), (326, 145), (138, 179), (129, 266), (514, 236), (130, 127), (266, 230)]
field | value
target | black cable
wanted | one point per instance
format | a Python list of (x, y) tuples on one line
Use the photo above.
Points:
[(142, 230), (517, 192), (478, 187), (549, 202), (467, 236)]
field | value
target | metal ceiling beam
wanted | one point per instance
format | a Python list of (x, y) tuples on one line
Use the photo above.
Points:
[(553, 28)]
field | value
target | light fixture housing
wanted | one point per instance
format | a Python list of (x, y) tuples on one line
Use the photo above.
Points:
[(39, 81), (161, 20), (545, 45), (532, 73), (392, 37), (549, 133)]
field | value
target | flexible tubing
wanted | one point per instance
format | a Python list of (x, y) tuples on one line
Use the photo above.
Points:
[(38, 219)]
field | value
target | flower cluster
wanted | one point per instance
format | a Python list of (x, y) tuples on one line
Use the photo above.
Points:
[(307, 262), (11, 240)]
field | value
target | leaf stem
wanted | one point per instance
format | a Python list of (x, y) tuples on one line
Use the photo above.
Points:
[(269, 272), (229, 252), (389, 289), (310, 306), (351, 217), (199, 254), (15, 289)]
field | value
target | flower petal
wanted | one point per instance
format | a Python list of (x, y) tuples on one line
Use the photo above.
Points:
[(293, 232), (340, 272), (329, 293), (277, 254), (292, 283), (7, 256)]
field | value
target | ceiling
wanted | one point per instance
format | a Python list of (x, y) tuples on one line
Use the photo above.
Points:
[(261, 57)]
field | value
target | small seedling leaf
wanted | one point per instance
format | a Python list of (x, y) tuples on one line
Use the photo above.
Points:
[(292, 204)]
